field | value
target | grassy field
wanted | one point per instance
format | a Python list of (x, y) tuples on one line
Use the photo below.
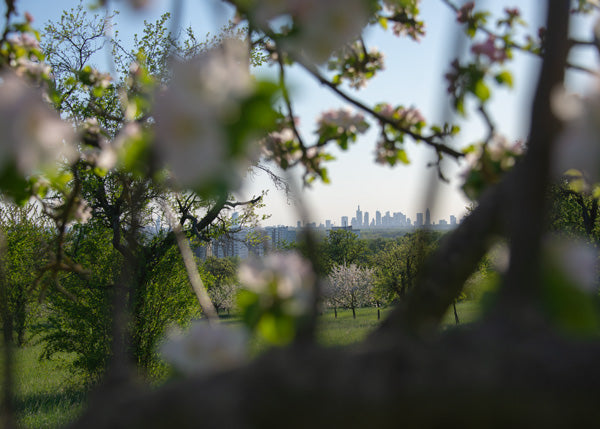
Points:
[(47, 395)]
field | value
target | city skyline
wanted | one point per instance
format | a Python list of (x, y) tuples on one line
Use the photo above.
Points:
[(381, 219)]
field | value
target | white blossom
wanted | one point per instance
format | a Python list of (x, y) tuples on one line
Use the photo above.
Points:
[(349, 286), (33, 135), (285, 276), (191, 113), (24, 40), (325, 26), (321, 27), (578, 146), (578, 260), (205, 348)]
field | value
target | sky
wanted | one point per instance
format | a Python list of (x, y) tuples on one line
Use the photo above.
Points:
[(413, 76)]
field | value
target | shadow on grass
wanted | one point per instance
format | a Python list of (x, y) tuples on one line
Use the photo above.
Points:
[(47, 402)]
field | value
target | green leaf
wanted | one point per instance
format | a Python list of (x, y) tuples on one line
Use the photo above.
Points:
[(383, 22), (402, 157), (505, 78), (481, 91)]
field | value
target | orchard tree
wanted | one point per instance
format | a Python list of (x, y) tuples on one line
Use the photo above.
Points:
[(344, 247), (113, 178), (210, 121), (223, 284), (349, 286), (574, 207), (26, 250), (398, 265)]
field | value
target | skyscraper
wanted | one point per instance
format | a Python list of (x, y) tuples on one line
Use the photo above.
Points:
[(419, 221), (427, 217), (377, 218), (359, 217), (344, 220), (366, 219)]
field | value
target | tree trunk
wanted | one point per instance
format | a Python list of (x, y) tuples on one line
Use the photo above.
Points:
[(353, 313), (335, 311)]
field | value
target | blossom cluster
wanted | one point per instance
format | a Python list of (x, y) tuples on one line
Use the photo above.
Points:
[(283, 277), (281, 145), (338, 122), (404, 14), (278, 292), (491, 50), (409, 118), (578, 145), (34, 136), (486, 163), (317, 27), (389, 147), (24, 55), (356, 65), (205, 348), (190, 113), (465, 13)]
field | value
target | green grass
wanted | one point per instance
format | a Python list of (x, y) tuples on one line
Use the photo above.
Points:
[(345, 330), (47, 395)]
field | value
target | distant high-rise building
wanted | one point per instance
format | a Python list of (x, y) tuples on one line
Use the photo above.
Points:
[(452, 220), (377, 218), (359, 217), (419, 221), (299, 225), (427, 217), (387, 219), (328, 224), (365, 221), (344, 220)]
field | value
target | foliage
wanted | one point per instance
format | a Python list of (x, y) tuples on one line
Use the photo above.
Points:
[(344, 247), (223, 283), (79, 320), (574, 210), (398, 265), (26, 251)]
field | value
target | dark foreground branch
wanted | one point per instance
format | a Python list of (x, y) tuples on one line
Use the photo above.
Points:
[(466, 379)]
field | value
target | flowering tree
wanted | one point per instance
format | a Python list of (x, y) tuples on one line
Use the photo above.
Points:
[(213, 110), (349, 286)]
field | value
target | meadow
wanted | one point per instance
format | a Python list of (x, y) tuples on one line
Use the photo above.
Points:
[(49, 396)]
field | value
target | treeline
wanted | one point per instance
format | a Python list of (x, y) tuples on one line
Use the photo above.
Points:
[(72, 311)]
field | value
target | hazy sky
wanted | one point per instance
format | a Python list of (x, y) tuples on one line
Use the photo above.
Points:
[(413, 77)]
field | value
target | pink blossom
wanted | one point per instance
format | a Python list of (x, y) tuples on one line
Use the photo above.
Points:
[(465, 12), (344, 120), (490, 50)]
